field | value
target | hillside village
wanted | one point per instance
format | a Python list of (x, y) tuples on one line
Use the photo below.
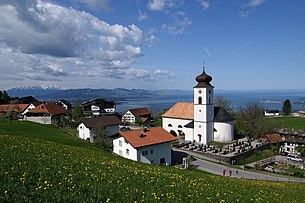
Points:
[(197, 127)]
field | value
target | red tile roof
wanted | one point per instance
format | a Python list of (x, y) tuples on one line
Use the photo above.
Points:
[(182, 110), (50, 108), (13, 107), (274, 138), (140, 111), (141, 138)]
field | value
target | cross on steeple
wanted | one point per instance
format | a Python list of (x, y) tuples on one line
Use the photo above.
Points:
[(203, 67)]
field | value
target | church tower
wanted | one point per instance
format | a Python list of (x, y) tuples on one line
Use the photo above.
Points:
[(203, 109)]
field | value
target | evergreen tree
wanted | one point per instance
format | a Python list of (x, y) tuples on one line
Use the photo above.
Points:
[(287, 109)]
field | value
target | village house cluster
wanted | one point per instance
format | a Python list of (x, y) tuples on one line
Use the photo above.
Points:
[(191, 125)]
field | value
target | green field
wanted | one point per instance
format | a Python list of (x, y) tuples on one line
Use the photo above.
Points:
[(297, 123), (41, 164)]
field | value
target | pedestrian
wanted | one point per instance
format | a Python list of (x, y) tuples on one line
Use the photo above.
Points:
[(224, 172), (230, 172), (236, 171)]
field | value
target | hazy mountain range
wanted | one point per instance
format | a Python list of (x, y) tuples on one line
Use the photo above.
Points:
[(80, 95)]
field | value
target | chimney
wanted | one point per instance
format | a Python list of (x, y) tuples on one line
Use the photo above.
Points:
[(145, 129), (142, 134)]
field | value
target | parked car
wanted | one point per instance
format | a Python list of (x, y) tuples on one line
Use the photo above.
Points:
[(294, 157)]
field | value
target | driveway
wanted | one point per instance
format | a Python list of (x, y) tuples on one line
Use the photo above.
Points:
[(215, 167)]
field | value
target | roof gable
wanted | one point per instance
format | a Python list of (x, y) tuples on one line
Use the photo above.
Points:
[(151, 136), (140, 111), (103, 121), (50, 108), (13, 107), (181, 110)]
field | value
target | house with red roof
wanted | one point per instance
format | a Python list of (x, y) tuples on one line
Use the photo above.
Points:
[(109, 123), (147, 145), (142, 115), (18, 109), (45, 113)]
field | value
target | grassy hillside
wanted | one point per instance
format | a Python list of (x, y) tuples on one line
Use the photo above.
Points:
[(37, 165), (297, 123)]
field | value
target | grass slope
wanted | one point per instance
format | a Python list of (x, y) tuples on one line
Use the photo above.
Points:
[(297, 123), (35, 168)]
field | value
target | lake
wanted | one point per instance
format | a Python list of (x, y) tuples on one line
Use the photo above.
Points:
[(268, 99)]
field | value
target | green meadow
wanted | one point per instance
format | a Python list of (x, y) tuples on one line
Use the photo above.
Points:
[(297, 123), (41, 164)]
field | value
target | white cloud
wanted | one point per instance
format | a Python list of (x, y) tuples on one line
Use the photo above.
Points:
[(165, 73), (142, 16), (249, 7), (255, 3), (205, 4), (160, 5), (181, 22), (47, 42)]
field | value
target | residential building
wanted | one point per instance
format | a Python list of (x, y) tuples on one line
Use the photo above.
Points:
[(272, 112), (109, 123), (141, 115), (45, 113), (200, 121), (147, 145), (98, 107), (18, 110), (64, 104)]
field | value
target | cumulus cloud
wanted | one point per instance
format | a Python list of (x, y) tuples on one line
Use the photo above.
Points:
[(160, 5), (181, 22), (45, 41), (205, 4), (165, 73)]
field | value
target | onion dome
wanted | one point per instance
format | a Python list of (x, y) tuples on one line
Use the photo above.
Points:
[(203, 80)]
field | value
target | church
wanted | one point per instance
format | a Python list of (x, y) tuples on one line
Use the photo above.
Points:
[(200, 121)]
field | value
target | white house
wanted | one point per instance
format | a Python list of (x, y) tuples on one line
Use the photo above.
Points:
[(200, 121), (98, 107), (141, 114), (272, 112), (109, 123), (148, 145)]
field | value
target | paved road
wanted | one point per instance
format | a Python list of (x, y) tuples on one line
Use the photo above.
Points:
[(207, 164)]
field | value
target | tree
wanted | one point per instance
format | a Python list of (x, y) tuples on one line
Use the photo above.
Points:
[(221, 101), (301, 149), (101, 138), (287, 109), (77, 113), (250, 121)]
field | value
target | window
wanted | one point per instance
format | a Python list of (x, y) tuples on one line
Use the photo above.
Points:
[(127, 151), (209, 100), (162, 161), (169, 125), (145, 153), (120, 143), (179, 126), (199, 137), (151, 151), (120, 153), (199, 126), (199, 100)]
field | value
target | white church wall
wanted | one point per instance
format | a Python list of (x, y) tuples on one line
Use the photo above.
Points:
[(174, 124), (224, 131)]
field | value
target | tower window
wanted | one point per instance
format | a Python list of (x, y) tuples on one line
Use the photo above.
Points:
[(209, 100), (170, 125), (199, 100), (179, 126)]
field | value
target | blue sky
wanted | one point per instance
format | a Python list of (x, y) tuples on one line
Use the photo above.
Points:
[(152, 44)]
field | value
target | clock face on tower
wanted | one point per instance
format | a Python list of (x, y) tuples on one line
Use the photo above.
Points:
[(199, 91)]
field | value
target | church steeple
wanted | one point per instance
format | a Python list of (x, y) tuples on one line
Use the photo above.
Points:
[(203, 79)]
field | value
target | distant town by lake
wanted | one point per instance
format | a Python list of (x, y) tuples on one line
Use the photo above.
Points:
[(269, 99)]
